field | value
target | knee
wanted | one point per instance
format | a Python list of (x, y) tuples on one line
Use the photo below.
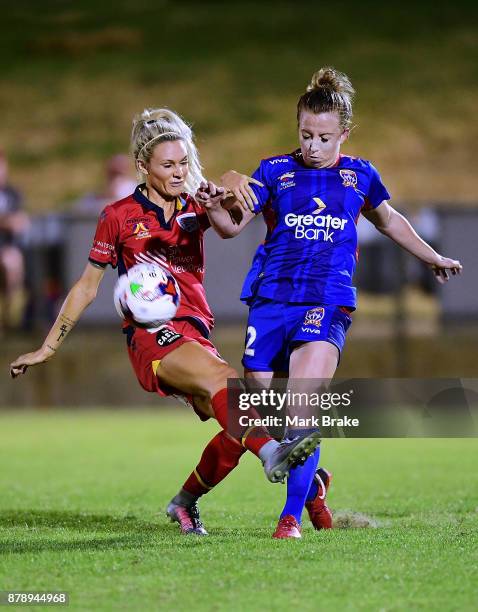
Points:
[(217, 378)]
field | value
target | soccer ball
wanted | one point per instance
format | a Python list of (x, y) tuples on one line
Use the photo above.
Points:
[(147, 296)]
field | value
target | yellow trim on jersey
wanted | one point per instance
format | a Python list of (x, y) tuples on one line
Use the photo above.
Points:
[(179, 204), (201, 481), (246, 433), (155, 365)]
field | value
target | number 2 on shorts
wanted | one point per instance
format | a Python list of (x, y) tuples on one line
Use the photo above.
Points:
[(251, 335)]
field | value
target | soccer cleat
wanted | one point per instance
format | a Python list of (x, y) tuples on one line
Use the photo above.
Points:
[(187, 517), (287, 527), (319, 513), (288, 454)]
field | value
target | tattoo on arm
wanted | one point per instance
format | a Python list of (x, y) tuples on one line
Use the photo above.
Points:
[(67, 320), (64, 330), (51, 348), (66, 325)]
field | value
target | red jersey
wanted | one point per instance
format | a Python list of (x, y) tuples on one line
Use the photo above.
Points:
[(134, 230)]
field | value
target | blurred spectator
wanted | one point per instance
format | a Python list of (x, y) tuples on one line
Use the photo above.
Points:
[(119, 184), (14, 225)]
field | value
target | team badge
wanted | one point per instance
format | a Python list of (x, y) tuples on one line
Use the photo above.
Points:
[(349, 178), (188, 222), (141, 230), (314, 316)]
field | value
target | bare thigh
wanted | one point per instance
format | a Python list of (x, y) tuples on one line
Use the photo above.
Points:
[(318, 360), (194, 370)]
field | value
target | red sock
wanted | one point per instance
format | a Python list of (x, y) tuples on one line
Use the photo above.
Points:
[(259, 435), (219, 458)]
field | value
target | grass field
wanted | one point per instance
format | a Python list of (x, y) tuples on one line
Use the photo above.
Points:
[(82, 504)]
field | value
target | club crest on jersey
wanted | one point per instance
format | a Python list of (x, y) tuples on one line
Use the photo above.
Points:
[(188, 222), (349, 178), (314, 316), (141, 230)]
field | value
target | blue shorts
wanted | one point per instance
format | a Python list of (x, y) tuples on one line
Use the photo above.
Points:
[(274, 329)]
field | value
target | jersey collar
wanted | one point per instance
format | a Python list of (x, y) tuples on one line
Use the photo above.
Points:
[(139, 196)]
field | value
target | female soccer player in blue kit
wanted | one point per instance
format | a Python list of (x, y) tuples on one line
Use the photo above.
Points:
[(299, 288)]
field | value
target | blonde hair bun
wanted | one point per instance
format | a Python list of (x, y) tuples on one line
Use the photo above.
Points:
[(328, 91), (333, 80)]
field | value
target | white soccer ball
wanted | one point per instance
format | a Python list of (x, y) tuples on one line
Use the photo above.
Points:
[(147, 296)]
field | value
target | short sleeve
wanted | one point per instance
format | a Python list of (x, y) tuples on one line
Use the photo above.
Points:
[(377, 191), (104, 250), (263, 194)]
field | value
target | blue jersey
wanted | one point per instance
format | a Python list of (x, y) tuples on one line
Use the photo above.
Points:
[(310, 250)]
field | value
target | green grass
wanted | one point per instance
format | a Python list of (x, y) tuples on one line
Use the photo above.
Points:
[(82, 504)]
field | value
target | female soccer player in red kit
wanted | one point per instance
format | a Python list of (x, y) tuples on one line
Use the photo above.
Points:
[(162, 223)]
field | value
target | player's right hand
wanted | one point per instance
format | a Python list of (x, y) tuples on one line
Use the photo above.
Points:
[(209, 195), (239, 185), (21, 364)]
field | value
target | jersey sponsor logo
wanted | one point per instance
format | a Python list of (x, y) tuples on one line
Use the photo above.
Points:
[(286, 181), (188, 222), (135, 220), (141, 230), (314, 317), (310, 330), (349, 178), (176, 260), (315, 226), (103, 245), (102, 248), (320, 205), (166, 336), (282, 160)]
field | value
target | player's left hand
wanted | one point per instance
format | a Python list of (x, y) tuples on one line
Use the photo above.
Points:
[(443, 265), (209, 195)]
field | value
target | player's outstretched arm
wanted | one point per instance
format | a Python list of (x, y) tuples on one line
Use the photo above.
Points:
[(225, 216), (394, 225), (80, 296)]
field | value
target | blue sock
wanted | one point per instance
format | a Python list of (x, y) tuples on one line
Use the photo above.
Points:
[(298, 486)]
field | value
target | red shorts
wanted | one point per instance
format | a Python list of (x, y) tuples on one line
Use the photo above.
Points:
[(146, 351)]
